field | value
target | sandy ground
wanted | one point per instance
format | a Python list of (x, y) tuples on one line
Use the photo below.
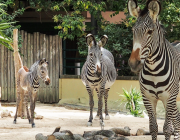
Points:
[(73, 120)]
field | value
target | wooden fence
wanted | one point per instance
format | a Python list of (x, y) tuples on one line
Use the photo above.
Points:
[(34, 47)]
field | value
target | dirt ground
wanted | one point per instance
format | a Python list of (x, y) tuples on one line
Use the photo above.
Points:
[(73, 120)]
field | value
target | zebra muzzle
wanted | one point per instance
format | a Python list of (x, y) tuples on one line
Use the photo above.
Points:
[(47, 82), (98, 72)]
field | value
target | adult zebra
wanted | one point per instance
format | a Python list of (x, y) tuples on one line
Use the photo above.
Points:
[(158, 64), (98, 73)]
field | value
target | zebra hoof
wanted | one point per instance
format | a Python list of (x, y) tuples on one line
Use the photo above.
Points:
[(96, 117), (102, 124), (14, 122), (107, 117), (33, 125), (89, 124)]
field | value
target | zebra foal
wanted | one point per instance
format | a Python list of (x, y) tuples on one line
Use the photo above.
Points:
[(158, 65), (98, 73), (28, 84)]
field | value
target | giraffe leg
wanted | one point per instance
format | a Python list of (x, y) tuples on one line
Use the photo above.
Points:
[(32, 109), (151, 109), (26, 104), (91, 104), (17, 104), (107, 117)]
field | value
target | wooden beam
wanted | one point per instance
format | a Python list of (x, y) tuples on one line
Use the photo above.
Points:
[(18, 64)]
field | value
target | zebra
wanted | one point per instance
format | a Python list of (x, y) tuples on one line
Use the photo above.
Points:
[(99, 73), (28, 84), (158, 64)]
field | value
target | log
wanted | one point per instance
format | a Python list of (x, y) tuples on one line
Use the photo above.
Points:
[(51, 137), (40, 136), (100, 137), (122, 131), (106, 133), (56, 129), (121, 138), (67, 136), (141, 132), (18, 64)]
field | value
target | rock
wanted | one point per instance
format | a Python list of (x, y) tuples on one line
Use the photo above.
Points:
[(38, 117), (6, 113)]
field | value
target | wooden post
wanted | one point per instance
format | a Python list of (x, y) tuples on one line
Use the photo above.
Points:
[(18, 64)]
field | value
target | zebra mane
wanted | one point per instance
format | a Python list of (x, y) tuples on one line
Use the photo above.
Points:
[(33, 72), (34, 66)]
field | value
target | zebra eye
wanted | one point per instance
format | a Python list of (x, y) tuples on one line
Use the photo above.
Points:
[(91, 54), (150, 32)]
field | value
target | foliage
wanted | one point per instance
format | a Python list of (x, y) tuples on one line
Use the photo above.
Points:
[(7, 25), (133, 101), (4, 26), (169, 17), (70, 24), (119, 44)]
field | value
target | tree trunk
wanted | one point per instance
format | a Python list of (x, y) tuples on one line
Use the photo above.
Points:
[(18, 64)]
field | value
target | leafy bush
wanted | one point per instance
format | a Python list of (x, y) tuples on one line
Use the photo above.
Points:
[(133, 101)]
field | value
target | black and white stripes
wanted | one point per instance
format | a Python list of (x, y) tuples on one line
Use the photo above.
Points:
[(158, 65), (98, 73)]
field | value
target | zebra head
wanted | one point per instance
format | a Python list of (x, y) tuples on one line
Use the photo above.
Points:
[(145, 32), (94, 53), (43, 71)]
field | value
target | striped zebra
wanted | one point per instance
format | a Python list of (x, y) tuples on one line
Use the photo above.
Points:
[(98, 73), (28, 84), (158, 65)]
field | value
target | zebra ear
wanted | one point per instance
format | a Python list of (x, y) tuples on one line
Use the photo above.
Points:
[(133, 8), (102, 42), (41, 61), (90, 40), (154, 8)]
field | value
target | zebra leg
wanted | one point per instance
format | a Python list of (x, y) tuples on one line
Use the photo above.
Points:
[(35, 98), (168, 124), (172, 117), (151, 109), (19, 89), (107, 117), (100, 105), (26, 104), (17, 104), (97, 116), (176, 123), (91, 104), (32, 109)]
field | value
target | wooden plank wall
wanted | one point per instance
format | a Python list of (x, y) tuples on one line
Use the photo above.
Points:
[(34, 47)]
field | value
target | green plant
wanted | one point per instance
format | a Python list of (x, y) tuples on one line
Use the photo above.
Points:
[(133, 101)]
